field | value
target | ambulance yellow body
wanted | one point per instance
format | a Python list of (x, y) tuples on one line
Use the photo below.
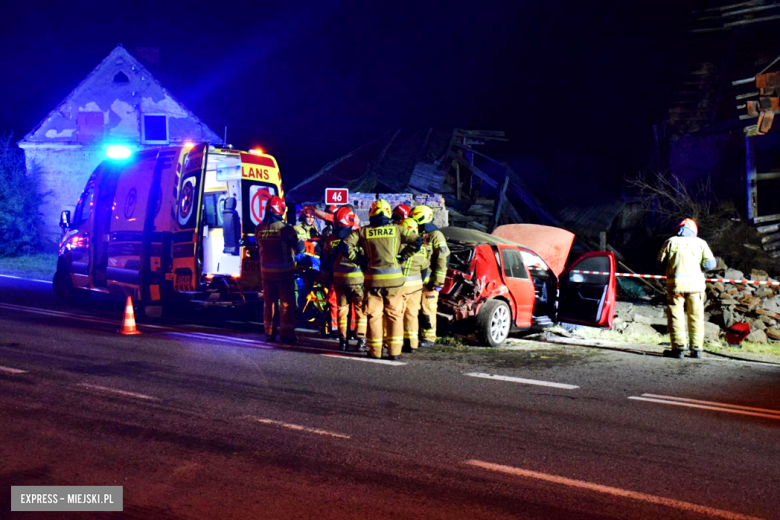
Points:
[(167, 226)]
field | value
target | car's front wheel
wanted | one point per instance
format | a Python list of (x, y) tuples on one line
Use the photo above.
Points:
[(494, 322), (64, 289)]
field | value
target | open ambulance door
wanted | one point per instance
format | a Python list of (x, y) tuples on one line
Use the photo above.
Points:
[(587, 291), (187, 214)]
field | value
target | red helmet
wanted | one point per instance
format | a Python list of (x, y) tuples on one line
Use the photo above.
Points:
[(401, 212), (308, 210), (276, 205), (345, 217), (690, 224)]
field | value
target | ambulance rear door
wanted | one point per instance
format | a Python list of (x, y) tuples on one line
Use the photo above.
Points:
[(260, 180), (187, 215)]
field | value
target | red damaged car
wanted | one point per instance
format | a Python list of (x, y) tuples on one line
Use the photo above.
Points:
[(497, 285)]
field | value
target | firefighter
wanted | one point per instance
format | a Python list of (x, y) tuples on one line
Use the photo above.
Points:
[(414, 271), (400, 212), (305, 229), (685, 257), (308, 261), (382, 242), (278, 243), (438, 252), (347, 278)]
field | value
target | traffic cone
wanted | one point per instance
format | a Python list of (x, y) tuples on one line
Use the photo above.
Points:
[(128, 324)]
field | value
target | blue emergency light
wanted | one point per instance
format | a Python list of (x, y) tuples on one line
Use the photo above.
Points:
[(116, 151)]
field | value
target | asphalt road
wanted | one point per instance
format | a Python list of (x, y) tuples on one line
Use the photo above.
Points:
[(200, 421)]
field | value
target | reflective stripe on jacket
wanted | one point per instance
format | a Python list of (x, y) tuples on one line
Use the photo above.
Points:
[(277, 242), (341, 270), (684, 258)]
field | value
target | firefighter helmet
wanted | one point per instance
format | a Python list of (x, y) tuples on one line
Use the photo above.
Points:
[(380, 207), (422, 214), (409, 223), (308, 210), (400, 212), (690, 224), (345, 217), (276, 205)]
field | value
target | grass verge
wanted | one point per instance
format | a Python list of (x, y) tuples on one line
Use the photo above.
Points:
[(40, 266)]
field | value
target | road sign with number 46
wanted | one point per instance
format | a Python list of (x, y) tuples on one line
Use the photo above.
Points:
[(336, 196)]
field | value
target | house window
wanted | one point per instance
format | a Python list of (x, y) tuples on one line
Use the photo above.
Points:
[(121, 77), (155, 129)]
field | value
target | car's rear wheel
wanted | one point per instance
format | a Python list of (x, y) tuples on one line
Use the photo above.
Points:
[(494, 322)]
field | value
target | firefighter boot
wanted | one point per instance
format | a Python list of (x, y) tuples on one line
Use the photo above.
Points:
[(407, 348), (674, 353), (361, 345), (343, 344), (696, 353)]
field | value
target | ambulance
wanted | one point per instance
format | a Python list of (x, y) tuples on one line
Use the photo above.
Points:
[(168, 226)]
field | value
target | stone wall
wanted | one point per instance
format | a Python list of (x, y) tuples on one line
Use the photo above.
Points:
[(64, 174)]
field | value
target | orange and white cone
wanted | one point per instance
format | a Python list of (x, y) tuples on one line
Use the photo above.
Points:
[(128, 324)]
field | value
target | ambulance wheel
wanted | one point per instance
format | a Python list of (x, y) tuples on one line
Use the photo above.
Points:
[(64, 290), (493, 323)]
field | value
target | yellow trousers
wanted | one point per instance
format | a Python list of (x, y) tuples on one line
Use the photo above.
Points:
[(430, 300), (346, 295), (384, 303), (685, 315), (279, 299), (412, 300)]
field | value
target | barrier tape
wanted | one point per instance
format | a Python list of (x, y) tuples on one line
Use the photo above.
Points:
[(662, 277)]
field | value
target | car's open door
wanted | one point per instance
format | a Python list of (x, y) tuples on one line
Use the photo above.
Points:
[(588, 290)]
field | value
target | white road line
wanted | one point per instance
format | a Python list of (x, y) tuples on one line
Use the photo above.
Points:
[(715, 408), (25, 279), (722, 405), (57, 314), (367, 359), (9, 370), (302, 428), (522, 381), (119, 392), (623, 493)]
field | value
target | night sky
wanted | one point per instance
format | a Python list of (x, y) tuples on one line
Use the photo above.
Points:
[(310, 81)]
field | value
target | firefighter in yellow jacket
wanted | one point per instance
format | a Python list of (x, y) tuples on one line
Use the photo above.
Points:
[(438, 253), (685, 257), (415, 270), (382, 242), (278, 243), (347, 278)]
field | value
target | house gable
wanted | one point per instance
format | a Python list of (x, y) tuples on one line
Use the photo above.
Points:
[(119, 101)]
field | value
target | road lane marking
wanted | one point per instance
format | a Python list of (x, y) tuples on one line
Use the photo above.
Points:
[(522, 381), (367, 359), (623, 493), (119, 392), (722, 405), (9, 370), (25, 279), (300, 428), (704, 407), (57, 314)]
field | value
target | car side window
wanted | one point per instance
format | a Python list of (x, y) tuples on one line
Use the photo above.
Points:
[(84, 207), (513, 264)]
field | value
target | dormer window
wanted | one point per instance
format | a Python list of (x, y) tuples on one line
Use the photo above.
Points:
[(121, 77), (155, 129)]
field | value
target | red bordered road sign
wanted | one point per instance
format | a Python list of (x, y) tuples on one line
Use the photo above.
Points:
[(337, 196)]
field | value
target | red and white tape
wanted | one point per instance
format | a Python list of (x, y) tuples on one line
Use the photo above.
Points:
[(662, 277)]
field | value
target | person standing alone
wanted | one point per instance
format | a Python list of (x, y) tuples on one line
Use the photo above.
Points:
[(685, 257)]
